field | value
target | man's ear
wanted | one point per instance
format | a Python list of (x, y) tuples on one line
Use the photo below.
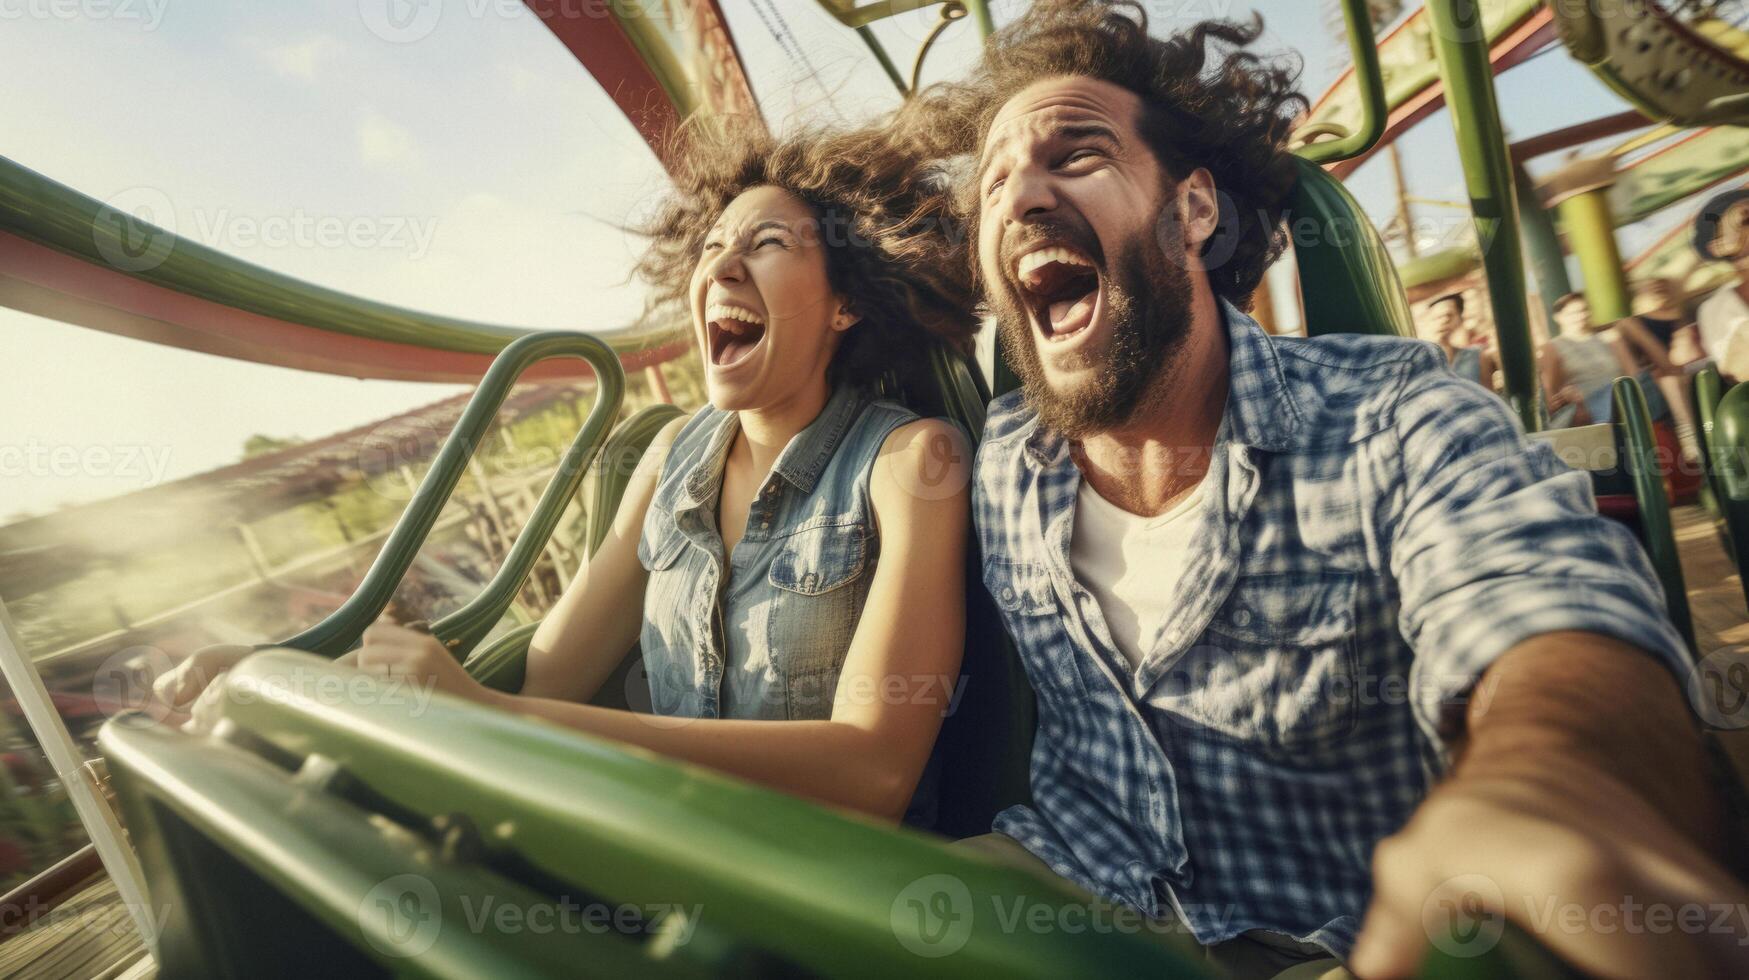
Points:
[(1199, 208), (843, 318)]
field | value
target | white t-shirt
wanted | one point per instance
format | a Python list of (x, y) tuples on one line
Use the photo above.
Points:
[(1722, 335), (1131, 564)]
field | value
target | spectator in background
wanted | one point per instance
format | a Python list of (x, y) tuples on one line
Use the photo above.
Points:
[(1445, 327), (1662, 325), (1719, 236), (1658, 307), (1579, 365)]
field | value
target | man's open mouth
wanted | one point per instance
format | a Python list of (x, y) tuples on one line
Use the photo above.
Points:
[(1060, 287), (732, 332)]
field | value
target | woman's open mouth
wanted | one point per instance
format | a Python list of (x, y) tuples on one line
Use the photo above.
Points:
[(733, 332), (1061, 288)]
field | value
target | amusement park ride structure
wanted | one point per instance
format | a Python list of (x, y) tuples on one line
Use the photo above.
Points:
[(268, 811)]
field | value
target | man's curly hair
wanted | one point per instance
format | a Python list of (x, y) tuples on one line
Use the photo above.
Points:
[(1228, 111), (888, 234)]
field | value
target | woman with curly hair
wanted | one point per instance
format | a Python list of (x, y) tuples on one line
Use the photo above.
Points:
[(791, 557)]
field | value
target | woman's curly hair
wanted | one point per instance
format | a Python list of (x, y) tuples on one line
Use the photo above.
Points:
[(1230, 112), (888, 232)]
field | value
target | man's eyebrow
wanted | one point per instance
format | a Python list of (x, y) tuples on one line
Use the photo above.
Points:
[(1089, 130), (1066, 131)]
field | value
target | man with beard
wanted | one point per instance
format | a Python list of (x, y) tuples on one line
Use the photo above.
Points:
[(1325, 651)]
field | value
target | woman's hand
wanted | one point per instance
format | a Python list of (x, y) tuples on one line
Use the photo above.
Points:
[(1565, 396), (396, 651), (181, 687)]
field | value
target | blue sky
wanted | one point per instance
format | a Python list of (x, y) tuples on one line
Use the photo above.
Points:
[(481, 168)]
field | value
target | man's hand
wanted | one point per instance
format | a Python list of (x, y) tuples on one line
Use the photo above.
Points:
[(1582, 808), (396, 651), (1573, 858)]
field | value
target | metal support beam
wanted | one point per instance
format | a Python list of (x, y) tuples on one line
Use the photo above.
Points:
[(880, 53), (1542, 245), (99, 819), (1462, 46), (1591, 234), (981, 11)]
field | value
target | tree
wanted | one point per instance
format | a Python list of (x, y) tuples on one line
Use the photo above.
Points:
[(260, 445)]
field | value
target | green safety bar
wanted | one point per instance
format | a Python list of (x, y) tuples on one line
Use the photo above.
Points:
[(1728, 444), (465, 627), (1639, 457), (1462, 46), (810, 890), (375, 834), (1371, 78), (260, 872), (501, 663)]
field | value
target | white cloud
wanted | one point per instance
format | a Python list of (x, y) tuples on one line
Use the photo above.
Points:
[(383, 142), (300, 59), (522, 80)]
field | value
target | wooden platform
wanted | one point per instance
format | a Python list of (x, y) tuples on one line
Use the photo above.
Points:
[(1715, 593)]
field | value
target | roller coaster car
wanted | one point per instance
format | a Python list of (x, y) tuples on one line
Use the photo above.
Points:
[(384, 837)]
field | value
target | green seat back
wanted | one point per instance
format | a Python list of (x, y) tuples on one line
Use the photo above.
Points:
[(1348, 282), (1709, 389), (983, 755), (619, 460), (1728, 459)]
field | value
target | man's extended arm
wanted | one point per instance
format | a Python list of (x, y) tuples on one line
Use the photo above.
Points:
[(1546, 668), (1581, 808)]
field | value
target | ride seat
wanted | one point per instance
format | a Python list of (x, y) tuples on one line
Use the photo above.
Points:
[(1726, 432), (1348, 283)]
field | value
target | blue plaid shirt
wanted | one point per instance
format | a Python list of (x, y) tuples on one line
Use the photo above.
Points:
[(1373, 532)]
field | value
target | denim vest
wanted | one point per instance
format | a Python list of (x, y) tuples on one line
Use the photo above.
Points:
[(770, 642)]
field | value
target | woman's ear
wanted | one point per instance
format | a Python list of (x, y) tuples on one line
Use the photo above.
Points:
[(844, 319)]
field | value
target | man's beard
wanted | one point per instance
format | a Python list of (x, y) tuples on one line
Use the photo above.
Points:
[(1147, 308)]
